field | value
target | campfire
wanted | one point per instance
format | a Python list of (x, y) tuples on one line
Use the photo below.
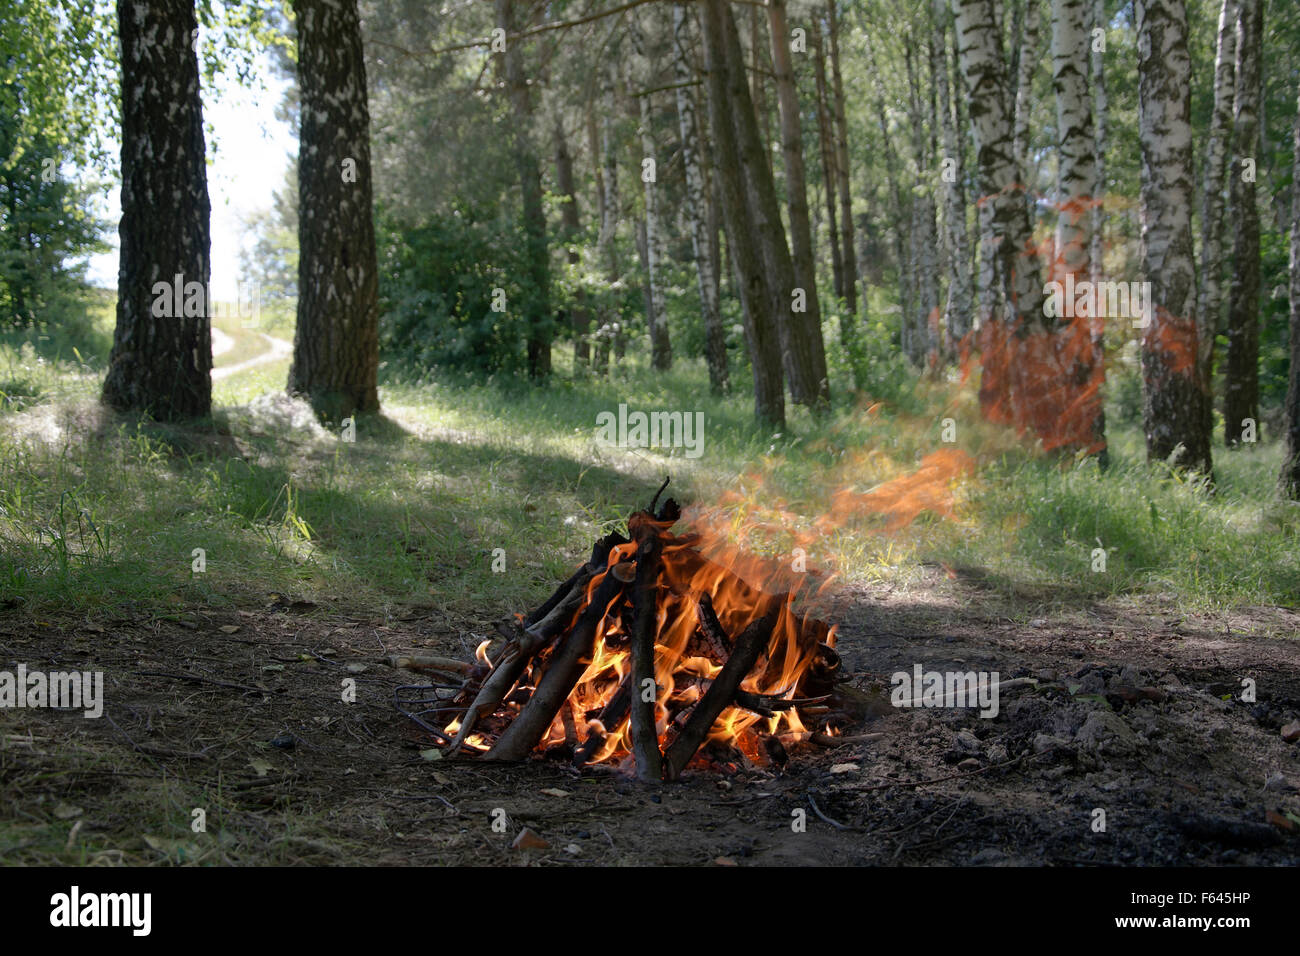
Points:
[(651, 656)]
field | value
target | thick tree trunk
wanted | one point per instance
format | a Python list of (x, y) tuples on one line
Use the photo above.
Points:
[(728, 96), (537, 279), (580, 320), (336, 344), (162, 344), (1173, 415), (850, 253), (1291, 464), (1241, 380), (959, 307), (796, 192), (696, 208), (1210, 301)]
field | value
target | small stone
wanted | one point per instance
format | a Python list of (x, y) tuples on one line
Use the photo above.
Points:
[(725, 861), (573, 849), (529, 840), (283, 742), (1291, 732), (969, 764)]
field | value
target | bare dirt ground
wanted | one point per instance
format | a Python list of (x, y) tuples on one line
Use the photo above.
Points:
[(1137, 713)]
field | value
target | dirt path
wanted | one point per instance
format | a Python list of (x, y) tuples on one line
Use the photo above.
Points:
[(241, 713), (276, 349)]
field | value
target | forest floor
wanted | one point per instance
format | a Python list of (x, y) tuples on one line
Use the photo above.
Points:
[(223, 686), (240, 714)]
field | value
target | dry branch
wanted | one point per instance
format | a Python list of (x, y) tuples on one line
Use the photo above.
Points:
[(569, 661), (645, 741)]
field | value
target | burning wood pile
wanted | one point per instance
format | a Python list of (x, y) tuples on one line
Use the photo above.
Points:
[(649, 655)]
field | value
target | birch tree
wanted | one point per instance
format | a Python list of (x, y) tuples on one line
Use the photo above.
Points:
[(957, 311), (336, 343), (1173, 414), (1014, 264), (162, 347)]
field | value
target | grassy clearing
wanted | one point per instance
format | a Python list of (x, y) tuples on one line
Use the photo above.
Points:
[(98, 513)]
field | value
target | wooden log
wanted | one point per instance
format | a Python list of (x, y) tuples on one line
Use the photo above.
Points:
[(744, 655), (569, 660), (645, 593), (515, 657)]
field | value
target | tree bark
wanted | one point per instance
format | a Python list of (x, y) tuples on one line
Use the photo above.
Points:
[(580, 319), (1173, 414), (924, 241), (162, 348), (336, 344), (1241, 379), (537, 279), (850, 253), (1011, 259), (1210, 302), (802, 350), (661, 352), (826, 144), (696, 208), (1291, 463), (1026, 68), (1076, 189), (959, 307), (728, 96), (796, 193)]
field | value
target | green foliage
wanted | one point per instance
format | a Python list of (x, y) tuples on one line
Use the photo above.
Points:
[(438, 283)]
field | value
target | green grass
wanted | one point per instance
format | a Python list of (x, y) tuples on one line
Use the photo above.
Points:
[(98, 513)]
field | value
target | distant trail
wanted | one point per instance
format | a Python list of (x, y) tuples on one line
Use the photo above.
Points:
[(276, 349), (221, 342)]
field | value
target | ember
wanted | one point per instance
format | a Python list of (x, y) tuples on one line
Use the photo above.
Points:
[(647, 656)]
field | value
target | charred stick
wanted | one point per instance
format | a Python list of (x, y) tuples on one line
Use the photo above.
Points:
[(645, 741), (569, 660), (749, 646), (655, 500), (711, 627)]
